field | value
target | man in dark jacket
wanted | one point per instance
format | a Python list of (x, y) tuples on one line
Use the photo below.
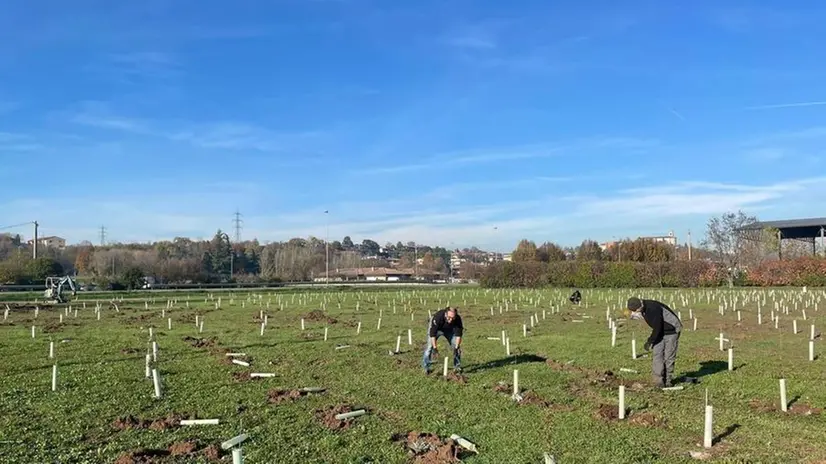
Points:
[(664, 338), (446, 323)]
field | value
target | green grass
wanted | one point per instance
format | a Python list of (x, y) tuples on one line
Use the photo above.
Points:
[(100, 381)]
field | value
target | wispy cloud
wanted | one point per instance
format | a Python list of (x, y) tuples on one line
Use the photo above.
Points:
[(17, 143), (469, 157), (693, 198), (787, 105), (515, 153), (228, 135)]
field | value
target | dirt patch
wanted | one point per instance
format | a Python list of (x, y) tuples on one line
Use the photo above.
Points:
[(182, 448), (804, 410), (54, 327), (502, 387), (454, 377), (22, 307), (142, 456), (646, 419), (531, 398), (179, 449), (241, 376), (138, 319), (428, 448), (132, 422), (129, 351), (318, 315), (607, 412), (606, 378), (212, 453), (327, 417), (564, 367), (797, 409), (277, 396), (199, 342)]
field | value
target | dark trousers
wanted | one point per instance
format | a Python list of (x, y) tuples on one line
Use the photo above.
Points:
[(664, 358)]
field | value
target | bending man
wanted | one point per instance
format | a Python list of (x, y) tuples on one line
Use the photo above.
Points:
[(664, 338), (446, 323)]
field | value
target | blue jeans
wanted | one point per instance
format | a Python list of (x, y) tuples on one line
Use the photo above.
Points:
[(457, 356)]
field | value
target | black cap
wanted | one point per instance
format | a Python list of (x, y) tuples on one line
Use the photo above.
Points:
[(634, 303)]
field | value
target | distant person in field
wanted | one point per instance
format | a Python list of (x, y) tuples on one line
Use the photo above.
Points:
[(664, 338), (446, 323), (575, 297)]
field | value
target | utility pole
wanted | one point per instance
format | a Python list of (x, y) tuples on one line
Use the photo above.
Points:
[(327, 246), (238, 221), (34, 242), (102, 235), (416, 259), (689, 244)]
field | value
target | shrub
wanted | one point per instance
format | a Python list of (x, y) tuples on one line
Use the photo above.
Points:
[(596, 274)]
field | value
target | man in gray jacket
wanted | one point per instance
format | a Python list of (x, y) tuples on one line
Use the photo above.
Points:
[(664, 338)]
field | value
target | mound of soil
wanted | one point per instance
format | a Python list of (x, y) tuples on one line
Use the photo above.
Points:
[(327, 417), (132, 422), (182, 448), (798, 409), (646, 419), (317, 315), (138, 318), (564, 367), (179, 449), (199, 342), (608, 412), (129, 351), (428, 448), (531, 398), (277, 396), (502, 387), (142, 456), (241, 376), (454, 377)]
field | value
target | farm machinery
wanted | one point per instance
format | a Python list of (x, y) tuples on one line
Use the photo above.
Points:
[(56, 286)]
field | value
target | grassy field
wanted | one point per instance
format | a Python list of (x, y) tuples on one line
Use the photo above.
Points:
[(103, 407)]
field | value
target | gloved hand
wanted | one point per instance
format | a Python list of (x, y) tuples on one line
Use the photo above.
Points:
[(647, 346), (434, 353)]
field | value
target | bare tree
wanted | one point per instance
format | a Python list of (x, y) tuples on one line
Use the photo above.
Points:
[(729, 244)]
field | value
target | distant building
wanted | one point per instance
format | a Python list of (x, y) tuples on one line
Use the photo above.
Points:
[(378, 274), (670, 239), (51, 242)]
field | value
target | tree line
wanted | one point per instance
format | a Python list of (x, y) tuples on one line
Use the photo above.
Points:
[(725, 255), (183, 260)]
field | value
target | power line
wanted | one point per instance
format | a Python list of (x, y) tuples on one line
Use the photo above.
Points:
[(238, 221), (17, 225), (102, 235)]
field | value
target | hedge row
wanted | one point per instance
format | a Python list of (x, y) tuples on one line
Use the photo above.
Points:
[(596, 274)]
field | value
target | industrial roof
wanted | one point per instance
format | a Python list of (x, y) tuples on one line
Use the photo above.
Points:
[(792, 228)]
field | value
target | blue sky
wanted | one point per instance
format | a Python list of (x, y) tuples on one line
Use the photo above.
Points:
[(445, 122)]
